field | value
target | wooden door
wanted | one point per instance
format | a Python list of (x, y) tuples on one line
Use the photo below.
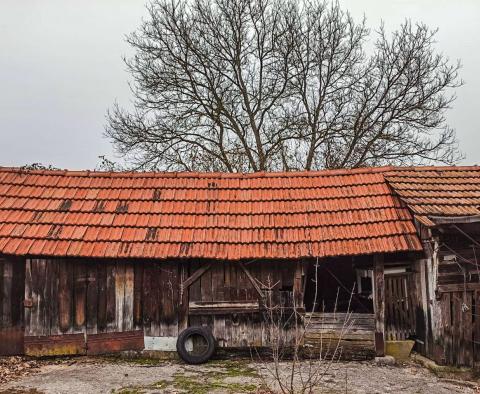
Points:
[(399, 312), (12, 283)]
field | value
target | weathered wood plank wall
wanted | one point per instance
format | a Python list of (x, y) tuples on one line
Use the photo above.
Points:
[(227, 289), (349, 336), (78, 296), (448, 288), (73, 301)]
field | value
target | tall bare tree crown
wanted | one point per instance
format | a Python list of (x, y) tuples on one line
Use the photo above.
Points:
[(266, 85)]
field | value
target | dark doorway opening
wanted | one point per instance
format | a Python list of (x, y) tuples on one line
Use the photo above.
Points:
[(337, 286)]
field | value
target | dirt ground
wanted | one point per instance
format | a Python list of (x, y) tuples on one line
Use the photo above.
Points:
[(143, 376)]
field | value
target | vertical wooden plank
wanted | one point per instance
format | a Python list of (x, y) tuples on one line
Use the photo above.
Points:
[(18, 292), (217, 281), (457, 327), (234, 281), (52, 279), (64, 296), (147, 299), (219, 329), (34, 297), (194, 291), (206, 285), (242, 284), (298, 285), (184, 296), (128, 301), (169, 306), (389, 326), (42, 291), (110, 295), (227, 291), (92, 297), (399, 317), (476, 326), (379, 303), (423, 326), (28, 296), (137, 295), (468, 329), (7, 293), (119, 295), (80, 295), (102, 297), (446, 334), (156, 298)]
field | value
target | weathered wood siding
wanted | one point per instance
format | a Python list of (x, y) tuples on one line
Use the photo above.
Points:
[(349, 336), (12, 275), (69, 297), (456, 307), (447, 301), (229, 291), (78, 296), (80, 306)]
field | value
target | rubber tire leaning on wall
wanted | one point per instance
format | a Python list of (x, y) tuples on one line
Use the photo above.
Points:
[(193, 358)]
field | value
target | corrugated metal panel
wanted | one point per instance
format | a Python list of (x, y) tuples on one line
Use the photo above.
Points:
[(209, 215)]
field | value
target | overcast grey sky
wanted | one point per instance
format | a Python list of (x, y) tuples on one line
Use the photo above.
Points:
[(61, 68)]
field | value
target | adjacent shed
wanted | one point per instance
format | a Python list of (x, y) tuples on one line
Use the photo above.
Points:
[(445, 203)]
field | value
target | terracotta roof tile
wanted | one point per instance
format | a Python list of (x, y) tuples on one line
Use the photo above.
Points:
[(214, 215), (437, 191)]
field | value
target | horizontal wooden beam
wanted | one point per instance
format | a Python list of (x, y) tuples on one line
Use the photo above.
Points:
[(458, 287), (221, 308)]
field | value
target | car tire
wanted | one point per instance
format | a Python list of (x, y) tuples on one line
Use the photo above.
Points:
[(196, 345)]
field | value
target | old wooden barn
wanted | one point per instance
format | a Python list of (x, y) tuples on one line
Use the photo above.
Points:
[(97, 262)]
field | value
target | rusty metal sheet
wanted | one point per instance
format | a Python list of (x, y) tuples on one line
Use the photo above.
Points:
[(113, 342), (55, 345), (11, 341)]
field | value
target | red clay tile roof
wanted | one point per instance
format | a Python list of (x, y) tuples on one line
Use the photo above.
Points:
[(432, 192), (198, 215)]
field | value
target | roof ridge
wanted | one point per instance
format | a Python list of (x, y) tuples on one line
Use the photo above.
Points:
[(260, 174)]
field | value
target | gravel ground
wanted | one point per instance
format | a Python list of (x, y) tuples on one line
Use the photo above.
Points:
[(87, 375)]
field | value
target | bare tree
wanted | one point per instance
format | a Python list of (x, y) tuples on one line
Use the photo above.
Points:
[(256, 85)]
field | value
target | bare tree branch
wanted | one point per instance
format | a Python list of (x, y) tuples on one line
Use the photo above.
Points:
[(265, 85)]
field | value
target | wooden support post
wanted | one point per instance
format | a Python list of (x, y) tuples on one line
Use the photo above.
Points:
[(379, 303)]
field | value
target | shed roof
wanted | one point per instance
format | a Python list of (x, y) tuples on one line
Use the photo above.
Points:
[(216, 215), (436, 193)]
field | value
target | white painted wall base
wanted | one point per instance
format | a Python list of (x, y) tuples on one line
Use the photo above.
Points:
[(164, 344)]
